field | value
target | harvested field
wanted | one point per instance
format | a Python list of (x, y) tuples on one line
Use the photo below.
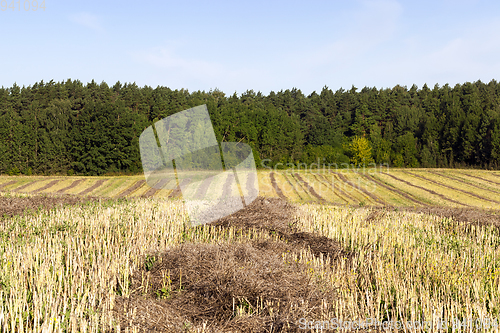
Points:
[(262, 269), (288, 187), (374, 199), (252, 274), (394, 189), (481, 178), (344, 196), (427, 190), (299, 186), (416, 187), (454, 188)]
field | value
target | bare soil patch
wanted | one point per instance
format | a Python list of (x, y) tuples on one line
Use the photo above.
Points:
[(149, 193)]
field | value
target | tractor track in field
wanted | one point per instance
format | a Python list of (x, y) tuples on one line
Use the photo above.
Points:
[(47, 186), (301, 185), (226, 188), (361, 189), (322, 182), (73, 184), (131, 189), (426, 189), (155, 188), (22, 187), (311, 189), (7, 184), (201, 191), (393, 189), (343, 195), (293, 186), (481, 178), (93, 187), (451, 187), (252, 191), (177, 192), (275, 186), (149, 193), (463, 181)]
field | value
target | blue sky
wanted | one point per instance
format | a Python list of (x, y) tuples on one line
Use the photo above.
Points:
[(261, 45)]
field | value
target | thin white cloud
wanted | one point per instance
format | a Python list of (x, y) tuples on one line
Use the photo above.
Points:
[(87, 20), (166, 58)]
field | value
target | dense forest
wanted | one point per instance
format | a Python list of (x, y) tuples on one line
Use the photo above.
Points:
[(93, 129)]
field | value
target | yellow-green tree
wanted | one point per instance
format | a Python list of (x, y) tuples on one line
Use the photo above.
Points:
[(361, 151)]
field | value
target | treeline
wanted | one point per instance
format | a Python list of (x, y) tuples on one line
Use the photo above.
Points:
[(93, 129)]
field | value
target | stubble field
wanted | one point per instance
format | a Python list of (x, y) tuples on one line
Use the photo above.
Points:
[(417, 248)]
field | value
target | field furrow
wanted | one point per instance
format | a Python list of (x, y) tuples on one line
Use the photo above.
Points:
[(201, 191), (27, 185), (4, 185), (177, 192), (344, 196), (395, 190), (73, 184), (47, 186), (131, 189), (370, 196), (481, 178), (275, 186), (426, 190), (325, 188), (466, 182), (452, 187), (301, 189), (93, 187), (311, 189), (287, 186)]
